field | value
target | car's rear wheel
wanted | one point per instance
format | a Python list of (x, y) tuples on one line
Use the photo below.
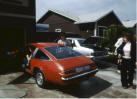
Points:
[(40, 79)]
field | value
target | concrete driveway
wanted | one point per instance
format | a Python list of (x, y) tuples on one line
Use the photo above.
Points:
[(106, 84)]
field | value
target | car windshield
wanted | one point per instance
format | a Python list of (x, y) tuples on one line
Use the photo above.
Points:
[(62, 52), (81, 41)]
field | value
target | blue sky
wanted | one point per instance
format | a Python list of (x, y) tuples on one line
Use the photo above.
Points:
[(125, 9)]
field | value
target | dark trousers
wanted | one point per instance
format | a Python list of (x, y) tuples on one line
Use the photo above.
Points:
[(127, 72), (25, 63)]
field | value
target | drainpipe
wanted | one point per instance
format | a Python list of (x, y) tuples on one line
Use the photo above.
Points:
[(95, 29)]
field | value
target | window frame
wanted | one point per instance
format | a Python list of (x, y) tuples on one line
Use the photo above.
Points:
[(104, 28), (58, 30)]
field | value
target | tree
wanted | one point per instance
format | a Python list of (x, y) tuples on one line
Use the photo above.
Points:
[(112, 34)]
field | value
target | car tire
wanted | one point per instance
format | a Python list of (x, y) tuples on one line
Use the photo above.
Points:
[(40, 79)]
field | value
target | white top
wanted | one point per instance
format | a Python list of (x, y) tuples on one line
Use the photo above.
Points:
[(127, 50), (65, 43)]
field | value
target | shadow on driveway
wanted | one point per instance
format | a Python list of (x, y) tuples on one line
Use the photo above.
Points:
[(84, 89), (21, 79)]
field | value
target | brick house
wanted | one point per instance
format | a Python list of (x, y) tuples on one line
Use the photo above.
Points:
[(84, 25)]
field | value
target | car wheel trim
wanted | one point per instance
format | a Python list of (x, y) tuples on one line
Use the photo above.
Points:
[(39, 78)]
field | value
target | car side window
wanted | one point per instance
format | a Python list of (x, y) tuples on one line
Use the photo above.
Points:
[(41, 55)]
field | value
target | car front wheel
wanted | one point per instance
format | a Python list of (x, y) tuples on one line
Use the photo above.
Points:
[(40, 79)]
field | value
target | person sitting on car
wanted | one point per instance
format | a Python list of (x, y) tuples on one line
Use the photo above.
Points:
[(29, 55), (26, 60)]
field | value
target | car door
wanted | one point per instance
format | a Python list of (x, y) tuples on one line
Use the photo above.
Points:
[(42, 61)]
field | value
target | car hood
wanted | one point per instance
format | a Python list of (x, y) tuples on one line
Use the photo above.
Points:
[(74, 62)]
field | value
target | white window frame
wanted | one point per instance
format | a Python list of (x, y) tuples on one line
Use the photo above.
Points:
[(104, 30), (58, 30)]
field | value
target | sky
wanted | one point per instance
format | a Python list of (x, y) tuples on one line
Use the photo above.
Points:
[(125, 9)]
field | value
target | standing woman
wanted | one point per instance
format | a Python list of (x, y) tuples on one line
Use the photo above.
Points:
[(128, 54)]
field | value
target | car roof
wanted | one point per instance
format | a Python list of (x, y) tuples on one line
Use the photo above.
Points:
[(75, 38), (44, 44)]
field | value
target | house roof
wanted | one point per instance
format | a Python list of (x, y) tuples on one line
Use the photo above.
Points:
[(94, 17), (129, 23), (64, 14)]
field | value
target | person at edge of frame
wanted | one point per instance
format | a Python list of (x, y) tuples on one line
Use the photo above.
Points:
[(127, 53)]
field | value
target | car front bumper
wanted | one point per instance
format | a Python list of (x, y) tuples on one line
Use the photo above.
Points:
[(80, 75)]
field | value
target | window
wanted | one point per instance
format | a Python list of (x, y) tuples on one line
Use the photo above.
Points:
[(81, 41), (57, 30), (41, 55), (101, 31), (62, 52)]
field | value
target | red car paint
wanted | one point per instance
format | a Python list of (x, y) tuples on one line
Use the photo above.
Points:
[(54, 69)]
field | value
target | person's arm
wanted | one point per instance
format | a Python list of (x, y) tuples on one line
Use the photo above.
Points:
[(27, 56), (117, 44)]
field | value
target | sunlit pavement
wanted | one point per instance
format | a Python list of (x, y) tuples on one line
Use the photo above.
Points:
[(106, 84)]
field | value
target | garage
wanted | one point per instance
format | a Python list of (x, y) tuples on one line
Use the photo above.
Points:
[(12, 38), (17, 25)]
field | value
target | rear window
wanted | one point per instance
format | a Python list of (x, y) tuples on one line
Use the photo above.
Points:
[(62, 52)]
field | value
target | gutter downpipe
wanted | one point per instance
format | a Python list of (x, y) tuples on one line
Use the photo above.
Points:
[(95, 30)]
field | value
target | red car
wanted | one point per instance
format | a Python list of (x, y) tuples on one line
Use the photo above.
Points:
[(58, 64)]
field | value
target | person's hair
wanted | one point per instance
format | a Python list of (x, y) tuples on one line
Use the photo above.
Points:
[(127, 36), (62, 34)]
